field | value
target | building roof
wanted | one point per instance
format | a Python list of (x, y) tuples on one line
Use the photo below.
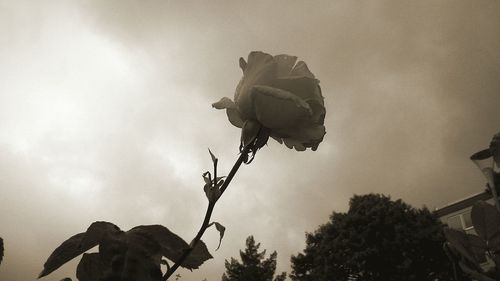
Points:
[(462, 204)]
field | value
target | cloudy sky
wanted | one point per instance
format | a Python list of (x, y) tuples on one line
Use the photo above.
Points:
[(105, 115)]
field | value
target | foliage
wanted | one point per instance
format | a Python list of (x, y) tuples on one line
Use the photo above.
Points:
[(137, 253), (469, 251), (253, 266), (377, 239), (1, 250), (132, 255)]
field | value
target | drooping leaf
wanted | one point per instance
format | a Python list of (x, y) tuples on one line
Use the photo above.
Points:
[(89, 268), (221, 229), (77, 245), (198, 256), (68, 250), (459, 241), (485, 219), (172, 246)]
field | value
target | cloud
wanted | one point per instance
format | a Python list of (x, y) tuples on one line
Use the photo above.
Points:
[(106, 114)]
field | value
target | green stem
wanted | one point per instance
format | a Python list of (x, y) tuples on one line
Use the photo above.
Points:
[(208, 214)]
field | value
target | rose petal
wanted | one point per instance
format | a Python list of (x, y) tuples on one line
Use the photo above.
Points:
[(307, 136), (293, 143), (276, 138), (301, 69), (305, 87), (225, 102), (318, 110), (260, 70), (285, 64), (277, 109), (231, 110), (234, 117)]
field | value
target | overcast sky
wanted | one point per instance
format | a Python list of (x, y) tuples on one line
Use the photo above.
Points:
[(105, 114)]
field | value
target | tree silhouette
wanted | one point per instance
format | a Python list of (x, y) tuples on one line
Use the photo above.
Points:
[(377, 239), (253, 266)]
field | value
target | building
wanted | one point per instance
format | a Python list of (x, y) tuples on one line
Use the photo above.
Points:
[(457, 215)]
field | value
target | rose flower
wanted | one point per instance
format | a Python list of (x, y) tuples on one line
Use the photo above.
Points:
[(278, 98)]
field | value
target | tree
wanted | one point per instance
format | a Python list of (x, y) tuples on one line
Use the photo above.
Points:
[(377, 239), (253, 266)]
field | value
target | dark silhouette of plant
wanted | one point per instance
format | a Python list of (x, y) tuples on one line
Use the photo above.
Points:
[(1, 250), (137, 254), (132, 255), (253, 266), (469, 251), (377, 239)]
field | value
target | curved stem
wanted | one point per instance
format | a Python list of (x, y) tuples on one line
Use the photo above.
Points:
[(208, 214)]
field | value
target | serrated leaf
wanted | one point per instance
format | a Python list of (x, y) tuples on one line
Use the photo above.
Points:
[(459, 241), (221, 229), (172, 246), (485, 219), (198, 256), (77, 245), (89, 268), (214, 159)]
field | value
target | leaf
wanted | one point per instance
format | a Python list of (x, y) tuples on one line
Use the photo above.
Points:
[(221, 229), (1, 250), (207, 177), (77, 245), (68, 250), (97, 231), (212, 192), (459, 241), (198, 256), (214, 159), (172, 246), (89, 268), (495, 148), (478, 246), (142, 258), (485, 219), (474, 274), (494, 243)]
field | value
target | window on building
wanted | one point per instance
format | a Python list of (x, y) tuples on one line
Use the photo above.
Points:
[(455, 222), (467, 220)]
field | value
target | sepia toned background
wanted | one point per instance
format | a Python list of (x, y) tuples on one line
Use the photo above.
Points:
[(105, 114)]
